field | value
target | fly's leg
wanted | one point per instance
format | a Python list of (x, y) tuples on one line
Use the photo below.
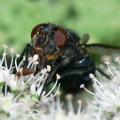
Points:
[(26, 52)]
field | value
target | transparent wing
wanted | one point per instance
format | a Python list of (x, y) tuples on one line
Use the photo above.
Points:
[(102, 51)]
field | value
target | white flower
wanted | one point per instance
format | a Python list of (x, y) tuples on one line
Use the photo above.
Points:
[(107, 95), (28, 100), (12, 108), (19, 103), (106, 101), (56, 111), (16, 84)]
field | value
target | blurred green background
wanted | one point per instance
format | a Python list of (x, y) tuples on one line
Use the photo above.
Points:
[(101, 19)]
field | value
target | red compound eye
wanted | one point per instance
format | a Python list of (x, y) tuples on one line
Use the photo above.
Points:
[(60, 38), (37, 29)]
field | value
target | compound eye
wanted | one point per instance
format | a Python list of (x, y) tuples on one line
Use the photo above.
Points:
[(37, 30), (60, 38)]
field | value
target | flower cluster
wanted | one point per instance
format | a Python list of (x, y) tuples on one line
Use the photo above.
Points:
[(22, 96), (106, 103), (18, 93)]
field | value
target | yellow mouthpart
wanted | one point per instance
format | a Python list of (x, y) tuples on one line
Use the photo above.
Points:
[(51, 57)]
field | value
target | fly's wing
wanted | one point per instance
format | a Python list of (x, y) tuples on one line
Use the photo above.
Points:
[(102, 51)]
